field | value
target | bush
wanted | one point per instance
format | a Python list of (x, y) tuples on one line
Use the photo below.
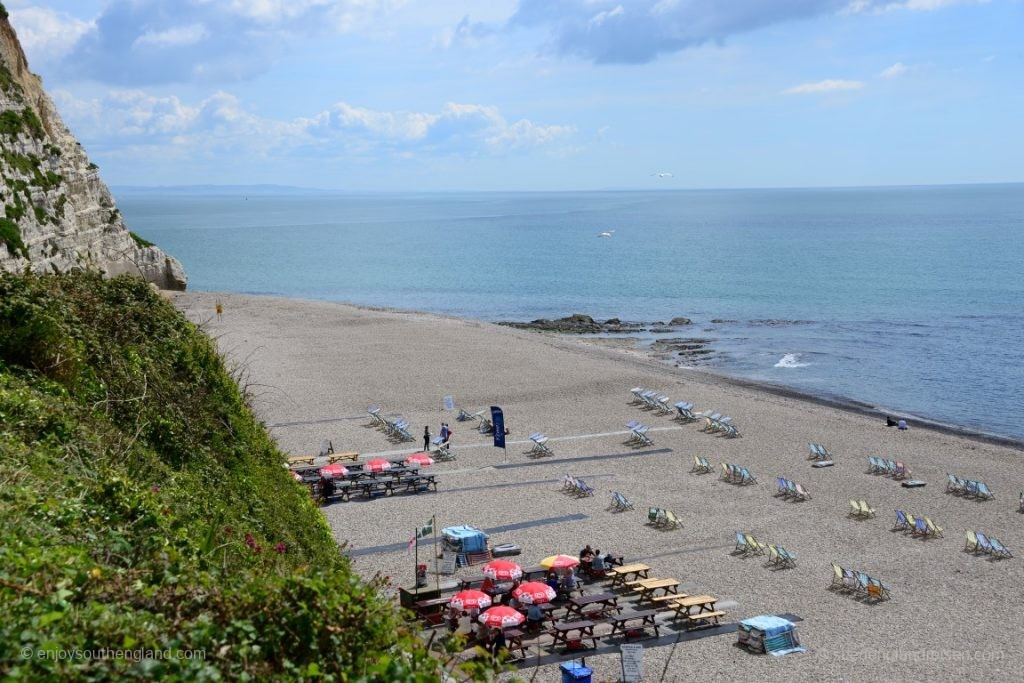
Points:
[(144, 507), (10, 236)]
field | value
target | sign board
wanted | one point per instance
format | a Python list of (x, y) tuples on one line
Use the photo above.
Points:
[(632, 662), (448, 560), (449, 403), (498, 420)]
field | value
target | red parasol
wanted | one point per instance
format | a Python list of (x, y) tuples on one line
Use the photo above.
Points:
[(502, 570), (377, 465), (420, 459), (501, 616), (469, 599), (534, 593), (334, 470)]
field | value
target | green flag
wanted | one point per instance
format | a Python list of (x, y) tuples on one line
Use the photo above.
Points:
[(427, 529)]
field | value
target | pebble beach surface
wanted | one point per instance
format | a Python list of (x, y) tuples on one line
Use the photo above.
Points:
[(315, 367)]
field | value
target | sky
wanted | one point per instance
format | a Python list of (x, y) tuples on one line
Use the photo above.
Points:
[(452, 95)]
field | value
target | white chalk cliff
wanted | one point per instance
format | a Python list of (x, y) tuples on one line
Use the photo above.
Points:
[(58, 215)]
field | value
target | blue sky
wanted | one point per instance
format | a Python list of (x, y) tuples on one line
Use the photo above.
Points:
[(536, 94)]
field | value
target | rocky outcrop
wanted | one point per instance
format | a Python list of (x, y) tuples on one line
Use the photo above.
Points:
[(578, 323), (58, 215)]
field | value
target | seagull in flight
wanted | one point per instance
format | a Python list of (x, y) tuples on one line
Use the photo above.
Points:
[(663, 174), (607, 233)]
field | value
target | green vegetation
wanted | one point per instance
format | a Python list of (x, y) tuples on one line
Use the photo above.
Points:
[(9, 85), (92, 166), (10, 237), (141, 242), (14, 122), (3, 11), (145, 508)]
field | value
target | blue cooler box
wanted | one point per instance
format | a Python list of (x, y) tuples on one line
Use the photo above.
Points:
[(575, 673)]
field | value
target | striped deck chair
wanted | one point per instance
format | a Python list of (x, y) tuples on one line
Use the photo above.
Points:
[(709, 421), (855, 510), (647, 398), (756, 546), (746, 477), (875, 466), (774, 558), (802, 493), (783, 489), (485, 426), (866, 509), (653, 515), (998, 549), (568, 482), (890, 467), (877, 589), (842, 578), (919, 528), (376, 419), (742, 547), (818, 452), (582, 489), (791, 491), (902, 471), (983, 491), (620, 502), (902, 523), (731, 431), (862, 581), (786, 558)]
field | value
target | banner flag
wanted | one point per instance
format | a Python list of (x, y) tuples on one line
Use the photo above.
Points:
[(426, 529), (498, 420)]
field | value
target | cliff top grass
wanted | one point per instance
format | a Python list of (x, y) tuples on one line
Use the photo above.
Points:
[(144, 508)]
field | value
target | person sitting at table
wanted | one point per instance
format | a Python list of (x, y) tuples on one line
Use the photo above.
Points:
[(534, 618), (598, 564), (454, 615), (569, 581), (552, 581), (586, 553), (488, 585), (326, 489), (496, 643), (613, 560)]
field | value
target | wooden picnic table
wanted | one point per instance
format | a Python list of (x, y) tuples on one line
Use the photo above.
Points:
[(623, 623), (299, 459), (417, 482), (620, 575), (606, 602), (338, 457), (574, 630), (514, 640), (705, 605), (649, 587), (531, 573), (376, 488)]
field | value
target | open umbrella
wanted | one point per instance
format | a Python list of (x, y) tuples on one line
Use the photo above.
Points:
[(419, 459), (559, 562), (469, 599), (501, 616), (502, 570), (377, 465), (534, 593), (333, 470)]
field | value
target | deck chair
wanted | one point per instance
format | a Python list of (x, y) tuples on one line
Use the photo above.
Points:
[(639, 436), (731, 431), (773, 555), (485, 426), (802, 492), (998, 549), (876, 465), (636, 391), (647, 399), (756, 546), (876, 589), (1020, 503), (443, 453), (653, 514), (862, 581), (671, 521), (540, 444), (583, 490), (933, 529), (984, 544), (746, 477), (902, 471), (742, 547), (791, 491), (890, 467), (684, 412), (920, 528), (866, 510), (971, 545), (783, 490), (705, 464), (623, 502), (983, 491), (954, 484), (855, 510), (902, 523), (786, 558), (726, 471), (661, 404), (568, 482), (842, 578)]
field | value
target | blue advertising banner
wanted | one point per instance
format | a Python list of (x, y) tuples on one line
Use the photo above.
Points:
[(498, 420)]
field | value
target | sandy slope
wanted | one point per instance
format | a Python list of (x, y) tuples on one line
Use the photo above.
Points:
[(320, 365)]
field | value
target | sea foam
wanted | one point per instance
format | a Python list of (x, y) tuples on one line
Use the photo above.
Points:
[(791, 360)]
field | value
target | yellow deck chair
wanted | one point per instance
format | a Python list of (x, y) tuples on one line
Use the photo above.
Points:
[(866, 510)]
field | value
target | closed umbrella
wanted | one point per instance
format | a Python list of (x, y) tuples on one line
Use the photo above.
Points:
[(501, 616), (559, 562), (334, 470), (502, 570), (377, 465), (419, 459), (470, 599), (534, 593)]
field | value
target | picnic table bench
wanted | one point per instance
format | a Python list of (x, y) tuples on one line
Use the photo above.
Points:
[(705, 612), (643, 619), (375, 487), (649, 588), (606, 602), (346, 456), (620, 575), (299, 459), (574, 630), (417, 483)]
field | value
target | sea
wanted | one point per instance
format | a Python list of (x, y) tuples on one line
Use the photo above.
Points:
[(907, 298)]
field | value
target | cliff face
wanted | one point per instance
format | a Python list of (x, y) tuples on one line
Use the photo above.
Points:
[(58, 213)]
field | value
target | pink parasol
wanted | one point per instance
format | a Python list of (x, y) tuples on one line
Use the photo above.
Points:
[(377, 465), (501, 616), (502, 570), (534, 593), (334, 470), (420, 459), (469, 599)]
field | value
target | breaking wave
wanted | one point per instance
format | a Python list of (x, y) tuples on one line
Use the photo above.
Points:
[(791, 360)]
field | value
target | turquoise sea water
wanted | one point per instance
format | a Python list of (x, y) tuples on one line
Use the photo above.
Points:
[(909, 298)]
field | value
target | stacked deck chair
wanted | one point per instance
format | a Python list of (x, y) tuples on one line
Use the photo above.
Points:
[(858, 582), (662, 518), (861, 509), (684, 412), (540, 444), (968, 488), (780, 557), (620, 503), (889, 468), (638, 434), (746, 544), (735, 474), (701, 465), (790, 491), (576, 487), (818, 452), (922, 527)]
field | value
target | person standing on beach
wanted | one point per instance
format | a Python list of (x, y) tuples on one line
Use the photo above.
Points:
[(220, 310), (444, 432), (426, 438)]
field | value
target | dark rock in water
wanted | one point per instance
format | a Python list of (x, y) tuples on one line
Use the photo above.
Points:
[(721, 320), (772, 322), (612, 321), (691, 348), (579, 323), (680, 321), (662, 330)]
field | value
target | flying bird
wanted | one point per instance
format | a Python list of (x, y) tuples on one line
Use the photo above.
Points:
[(606, 233), (663, 174)]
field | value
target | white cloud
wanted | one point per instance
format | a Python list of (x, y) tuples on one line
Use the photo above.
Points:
[(856, 6), (45, 34), (134, 119), (895, 71), (172, 37), (828, 85)]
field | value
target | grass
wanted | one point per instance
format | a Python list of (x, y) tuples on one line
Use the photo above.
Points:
[(141, 242), (145, 507), (10, 236)]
